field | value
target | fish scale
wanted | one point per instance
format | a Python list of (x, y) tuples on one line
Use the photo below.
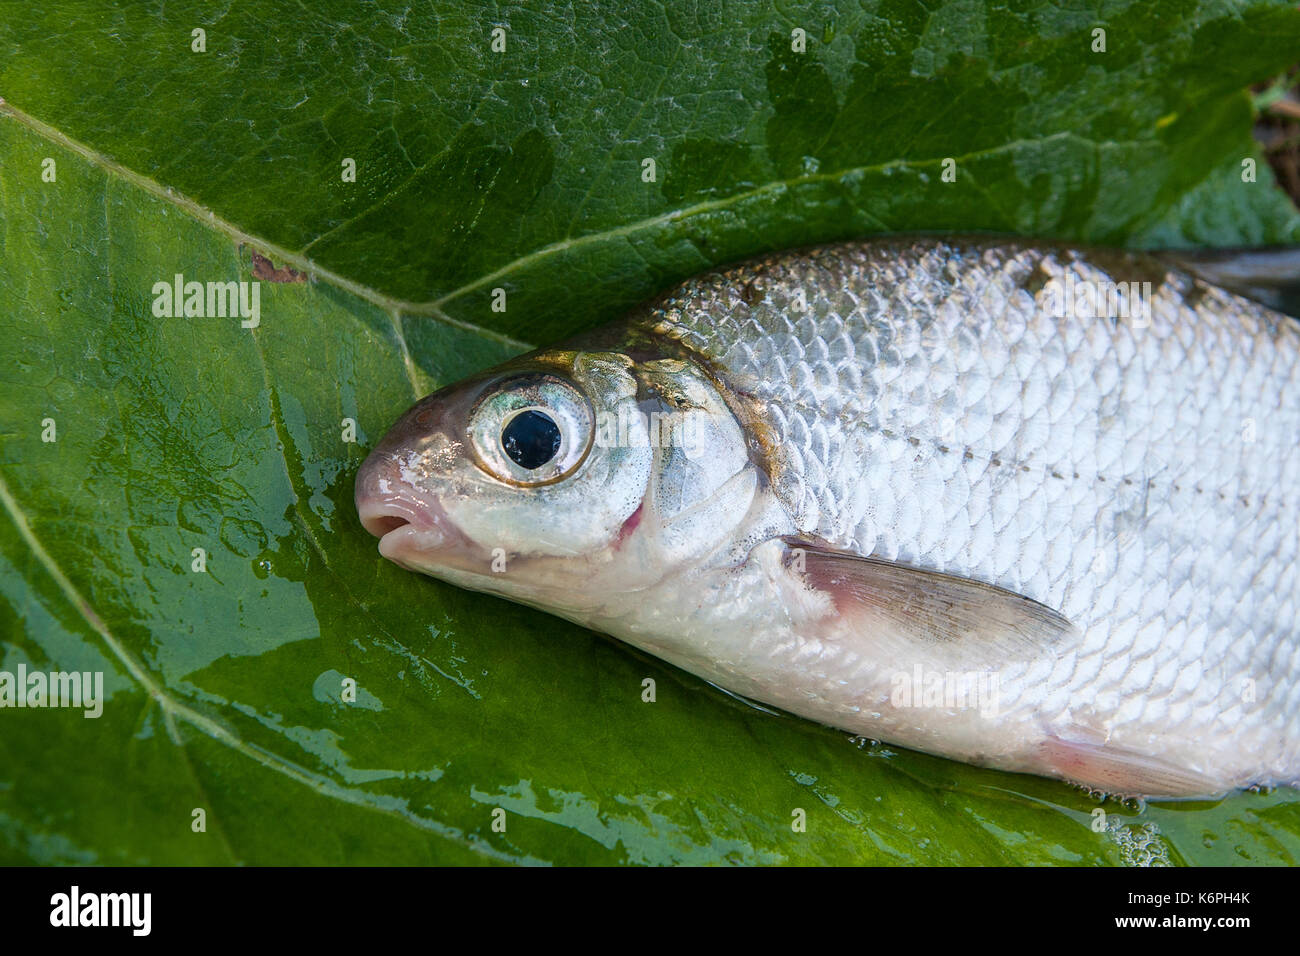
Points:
[(928, 409)]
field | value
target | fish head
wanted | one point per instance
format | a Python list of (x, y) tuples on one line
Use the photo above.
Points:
[(566, 480)]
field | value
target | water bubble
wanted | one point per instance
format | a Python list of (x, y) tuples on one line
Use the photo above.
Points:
[(1139, 845)]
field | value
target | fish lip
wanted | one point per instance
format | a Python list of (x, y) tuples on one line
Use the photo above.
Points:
[(387, 501), (408, 520), (373, 513), (402, 544), (426, 526)]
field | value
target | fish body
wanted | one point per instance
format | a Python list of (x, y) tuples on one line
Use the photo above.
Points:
[(1034, 508)]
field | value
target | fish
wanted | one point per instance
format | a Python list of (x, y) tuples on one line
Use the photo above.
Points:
[(1030, 506)]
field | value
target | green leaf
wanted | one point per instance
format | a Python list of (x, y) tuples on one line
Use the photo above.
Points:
[(520, 170)]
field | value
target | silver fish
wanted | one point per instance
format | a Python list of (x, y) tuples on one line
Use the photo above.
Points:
[(1030, 507)]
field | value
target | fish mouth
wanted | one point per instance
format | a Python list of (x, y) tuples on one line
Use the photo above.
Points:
[(406, 528), (410, 523), (383, 516)]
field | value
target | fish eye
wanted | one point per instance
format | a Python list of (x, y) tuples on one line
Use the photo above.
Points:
[(531, 439), (531, 429)]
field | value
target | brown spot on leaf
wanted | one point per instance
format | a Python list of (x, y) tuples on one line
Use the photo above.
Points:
[(263, 269)]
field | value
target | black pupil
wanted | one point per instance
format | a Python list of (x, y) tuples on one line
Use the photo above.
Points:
[(531, 439)]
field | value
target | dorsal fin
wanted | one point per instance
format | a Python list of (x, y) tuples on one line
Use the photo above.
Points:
[(1270, 275)]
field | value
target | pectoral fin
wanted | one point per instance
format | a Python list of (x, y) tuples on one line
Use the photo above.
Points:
[(915, 613)]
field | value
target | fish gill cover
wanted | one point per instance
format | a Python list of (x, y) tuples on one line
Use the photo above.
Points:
[(420, 193)]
